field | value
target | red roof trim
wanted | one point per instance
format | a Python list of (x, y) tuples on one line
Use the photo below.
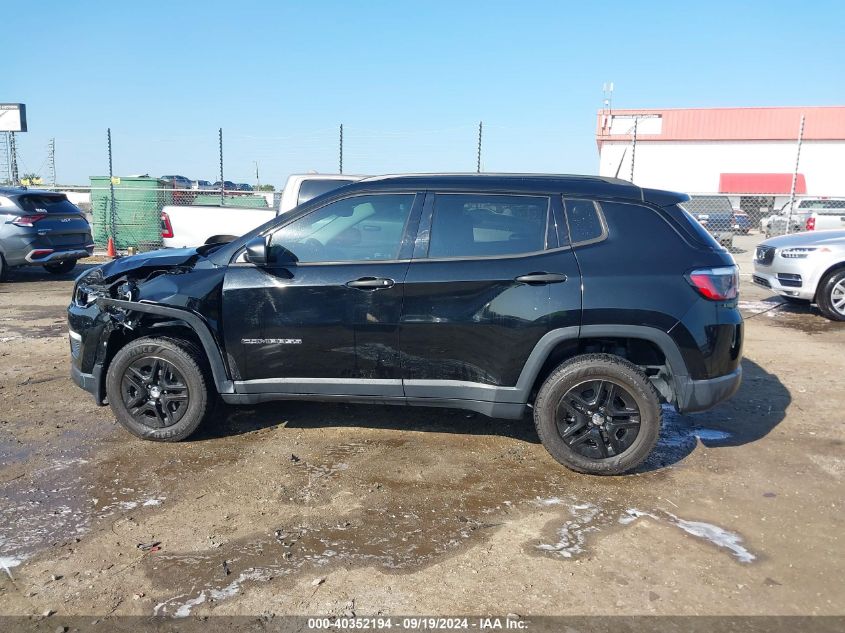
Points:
[(761, 183), (822, 123)]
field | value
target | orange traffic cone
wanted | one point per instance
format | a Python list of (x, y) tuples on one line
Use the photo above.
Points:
[(110, 249)]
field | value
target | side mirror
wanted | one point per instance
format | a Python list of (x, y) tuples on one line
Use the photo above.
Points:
[(256, 251)]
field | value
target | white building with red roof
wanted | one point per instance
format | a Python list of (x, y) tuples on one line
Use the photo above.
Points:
[(746, 153)]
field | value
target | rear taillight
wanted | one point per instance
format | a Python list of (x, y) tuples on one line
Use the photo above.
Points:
[(716, 284), (166, 227), (28, 220), (811, 224)]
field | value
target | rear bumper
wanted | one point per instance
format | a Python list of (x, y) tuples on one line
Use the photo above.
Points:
[(41, 256), (699, 395)]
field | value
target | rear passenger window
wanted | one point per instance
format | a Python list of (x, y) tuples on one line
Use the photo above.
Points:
[(475, 225), (584, 220)]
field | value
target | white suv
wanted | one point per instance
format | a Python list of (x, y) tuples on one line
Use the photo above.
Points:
[(805, 267)]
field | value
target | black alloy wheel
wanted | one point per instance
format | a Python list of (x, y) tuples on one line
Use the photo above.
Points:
[(598, 419), (154, 392)]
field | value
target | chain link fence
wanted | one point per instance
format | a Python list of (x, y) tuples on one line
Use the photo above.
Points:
[(129, 210), (725, 216)]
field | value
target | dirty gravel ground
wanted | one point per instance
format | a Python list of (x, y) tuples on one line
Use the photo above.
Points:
[(294, 508)]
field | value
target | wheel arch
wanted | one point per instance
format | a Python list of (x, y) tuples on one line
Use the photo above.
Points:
[(564, 343), (174, 321), (829, 271)]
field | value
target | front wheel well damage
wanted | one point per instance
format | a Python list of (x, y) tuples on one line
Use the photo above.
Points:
[(645, 354), (149, 325)]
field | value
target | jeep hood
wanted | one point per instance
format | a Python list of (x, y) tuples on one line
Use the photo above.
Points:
[(154, 260)]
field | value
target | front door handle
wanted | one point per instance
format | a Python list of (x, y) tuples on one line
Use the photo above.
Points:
[(538, 279), (371, 283)]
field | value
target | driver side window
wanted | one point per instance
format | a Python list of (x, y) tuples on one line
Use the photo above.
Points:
[(363, 228)]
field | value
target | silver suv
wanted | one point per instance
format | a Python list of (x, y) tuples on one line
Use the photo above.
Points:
[(41, 228), (804, 268)]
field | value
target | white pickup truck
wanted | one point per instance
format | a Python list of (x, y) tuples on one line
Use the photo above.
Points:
[(825, 213), (187, 226), (810, 214)]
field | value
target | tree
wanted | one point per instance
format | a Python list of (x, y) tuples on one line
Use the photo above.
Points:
[(31, 179), (266, 188)]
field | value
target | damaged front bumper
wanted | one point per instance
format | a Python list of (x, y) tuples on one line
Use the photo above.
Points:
[(89, 329), (92, 383)]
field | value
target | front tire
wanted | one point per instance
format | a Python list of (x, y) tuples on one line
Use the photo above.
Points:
[(4, 268), (160, 388), (60, 268), (831, 295), (598, 414)]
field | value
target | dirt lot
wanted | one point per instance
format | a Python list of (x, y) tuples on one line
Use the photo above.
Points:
[(331, 509)]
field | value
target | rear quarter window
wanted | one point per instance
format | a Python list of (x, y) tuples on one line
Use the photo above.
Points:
[(691, 226), (585, 224), (641, 230)]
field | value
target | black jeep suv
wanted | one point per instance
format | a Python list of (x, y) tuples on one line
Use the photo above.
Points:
[(588, 299)]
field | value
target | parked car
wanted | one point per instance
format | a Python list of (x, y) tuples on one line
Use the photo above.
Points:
[(178, 182), (797, 219), (201, 185), (715, 214), (228, 185), (490, 293), (41, 228), (824, 213), (242, 186), (805, 267), (742, 223), (203, 224)]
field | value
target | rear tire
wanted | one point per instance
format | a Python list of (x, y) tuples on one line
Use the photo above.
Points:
[(3, 268), (619, 428), (831, 295), (160, 388), (60, 268)]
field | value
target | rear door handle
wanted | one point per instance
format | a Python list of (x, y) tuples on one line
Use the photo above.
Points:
[(371, 283), (537, 279)]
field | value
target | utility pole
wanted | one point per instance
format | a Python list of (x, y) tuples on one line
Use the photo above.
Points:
[(112, 222), (51, 161), (220, 150), (634, 147), (795, 175), (5, 160), (340, 165), (478, 159), (257, 179), (13, 159)]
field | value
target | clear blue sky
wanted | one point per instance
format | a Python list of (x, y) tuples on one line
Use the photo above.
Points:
[(409, 80)]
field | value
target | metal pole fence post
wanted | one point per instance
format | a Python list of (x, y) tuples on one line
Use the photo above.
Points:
[(478, 158), (220, 151), (13, 158), (112, 223), (795, 176), (634, 148), (52, 161), (340, 165)]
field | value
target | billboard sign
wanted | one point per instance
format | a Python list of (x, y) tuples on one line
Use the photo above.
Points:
[(12, 117)]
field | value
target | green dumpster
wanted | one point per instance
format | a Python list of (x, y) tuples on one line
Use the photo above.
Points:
[(138, 201)]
